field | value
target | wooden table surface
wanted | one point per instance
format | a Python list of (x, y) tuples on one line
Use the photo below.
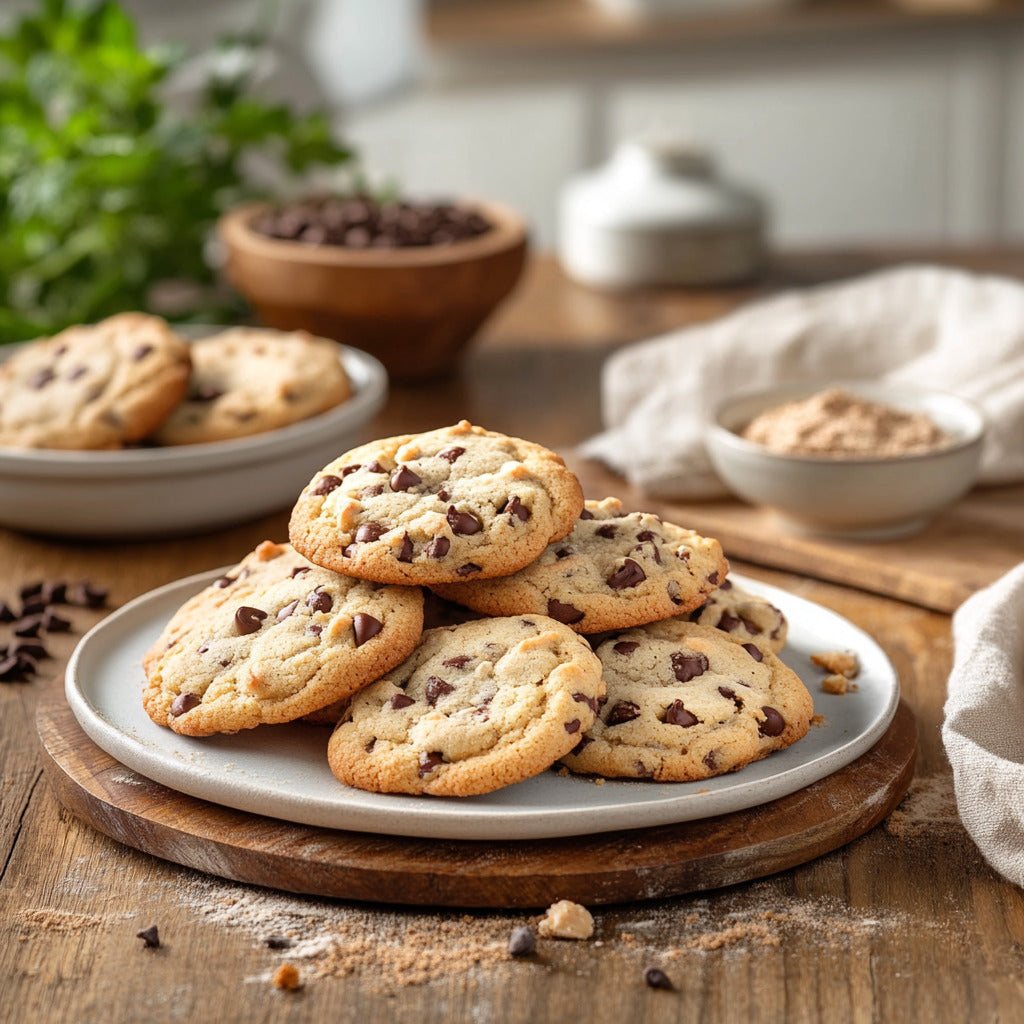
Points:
[(906, 923)]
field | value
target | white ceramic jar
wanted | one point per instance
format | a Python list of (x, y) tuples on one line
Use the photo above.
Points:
[(656, 214)]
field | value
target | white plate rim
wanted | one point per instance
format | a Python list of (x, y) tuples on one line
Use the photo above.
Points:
[(474, 818)]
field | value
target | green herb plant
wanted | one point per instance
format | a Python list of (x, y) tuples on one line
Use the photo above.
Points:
[(108, 190)]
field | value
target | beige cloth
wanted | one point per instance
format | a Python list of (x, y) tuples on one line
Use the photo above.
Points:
[(913, 325), (984, 721)]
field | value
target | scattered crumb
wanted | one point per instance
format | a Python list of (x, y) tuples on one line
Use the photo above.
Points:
[(843, 663), (835, 683), (562, 772), (566, 920), (286, 977), (599, 780), (744, 931), (60, 920), (928, 811), (818, 722)]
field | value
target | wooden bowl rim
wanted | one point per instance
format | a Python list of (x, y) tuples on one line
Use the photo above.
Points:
[(509, 231)]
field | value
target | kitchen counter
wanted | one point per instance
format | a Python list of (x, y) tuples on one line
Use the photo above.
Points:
[(905, 923)]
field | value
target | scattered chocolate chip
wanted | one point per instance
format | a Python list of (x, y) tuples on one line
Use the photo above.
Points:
[(278, 942), (463, 522), (586, 514), (565, 613), (248, 620), (141, 352), (429, 761), (573, 726), (623, 711), (399, 701), (53, 623), (655, 977), (438, 547), (150, 936), (30, 625), (773, 724), (457, 661), (521, 942), (287, 610), (404, 479), (591, 702), (436, 689), (30, 590), (185, 702), (625, 647), (405, 552), (514, 507), (365, 627), (28, 649), (86, 595), (608, 531), (33, 606), (40, 378), (468, 569), (676, 714), (54, 592), (451, 454), (629, 574), (6, 612), (688, 666), (326, 484), (319, 600), (753, 651)]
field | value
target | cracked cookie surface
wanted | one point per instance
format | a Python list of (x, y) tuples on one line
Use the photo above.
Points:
[(274, 639), (477, 706), (687, 702), (450, 504), (747, 616), (613, 571)]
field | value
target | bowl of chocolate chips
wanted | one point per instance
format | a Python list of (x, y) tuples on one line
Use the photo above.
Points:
[(409, 282)]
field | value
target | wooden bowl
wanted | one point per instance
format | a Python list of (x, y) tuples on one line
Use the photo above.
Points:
[(415, 309)]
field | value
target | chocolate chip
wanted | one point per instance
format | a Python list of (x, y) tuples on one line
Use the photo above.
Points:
[(365, 627), (688, 666), (278, 942), (374, 467), (205, 393), (625, 647), (6, 612), (223, 581), (521, 942), (451, 454), (33, 606), (676, 714), (40, 378), (369, 532), (370, 745), (463, 522), (753, 651), (729, 622), (53, 623), (655, 977), (591, 702), (248, 620), (141, 352), (457, 661), (582, 745), (347, 470), (287, 610), (404, 479), (443, 495), (623, 711), (564, 612), (438, 547), (11, 669), (405, 552), (573, 726), (725, 585), (608, 531), (710, 761), (86, 595), (773, 724), (28, 649), (642, 771), (436, 689), (299, 570), (428, 762), (675, 592), (468, 569), (326, 484), (645, 535), (185, 702), (314, 628), (713, 578), (586, 514), (201, 649), (683, 554), (30, 625), (730, 694), (629, 574), (563, 553), (150, 936), (514, 507), (371, 492), (399, 701), (77, 373), (654, 553)]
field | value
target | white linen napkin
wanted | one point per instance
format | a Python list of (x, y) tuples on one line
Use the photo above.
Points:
[(983, 730), (912, 325)]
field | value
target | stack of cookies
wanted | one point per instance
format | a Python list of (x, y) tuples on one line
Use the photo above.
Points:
[(130, 379), (572, 631)]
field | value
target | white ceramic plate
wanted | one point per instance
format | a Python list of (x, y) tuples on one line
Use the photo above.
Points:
[(282, 771)]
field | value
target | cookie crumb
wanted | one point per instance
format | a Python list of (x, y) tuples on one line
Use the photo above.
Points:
[(566, 920), (286, 978), (150, 936), (842, 663), (818, 722), (521, 942), (655, 977), (835, 683)]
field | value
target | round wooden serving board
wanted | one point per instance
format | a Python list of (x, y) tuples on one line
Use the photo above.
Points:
[(613, 867)]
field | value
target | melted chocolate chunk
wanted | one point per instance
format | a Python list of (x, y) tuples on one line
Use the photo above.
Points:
[(443, 495), (591, 702), (457, 661), (428, 762), (436, 689), (514, 507), (374, 467), (326, 484), (371, 492), (287, 610), (399, 701), (725, 585), (404, 478), (713, 578), (463, 522), (468, 569), (369, 532), (623, 711), (773, 724), (565, 613), (586, 514), (185, 702), (753, 651), (688, 666), (645, 535), (573, 726), (451, 454), (710, 761), (629, 574), (248, 620), (365, 627), (608, 531), (405, 552), (315, 629), (438, 547), (676, 714), (729, 622), (298, 571), (319, 600), (346, 470)]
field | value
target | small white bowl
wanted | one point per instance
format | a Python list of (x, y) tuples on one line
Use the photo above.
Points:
[(865, 498), (148, 492)]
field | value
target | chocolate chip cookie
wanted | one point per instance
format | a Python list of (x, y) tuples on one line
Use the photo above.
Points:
[(476, 707), (100, 386), (246, 381), (613, 571), (745, 615), (274, 639), (451, 504), (687, 702)]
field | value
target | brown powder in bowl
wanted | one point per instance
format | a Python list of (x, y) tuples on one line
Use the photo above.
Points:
[(838, 424)]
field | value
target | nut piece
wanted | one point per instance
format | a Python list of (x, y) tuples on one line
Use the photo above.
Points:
[(842, 663), (286, 977), (566, 920)]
